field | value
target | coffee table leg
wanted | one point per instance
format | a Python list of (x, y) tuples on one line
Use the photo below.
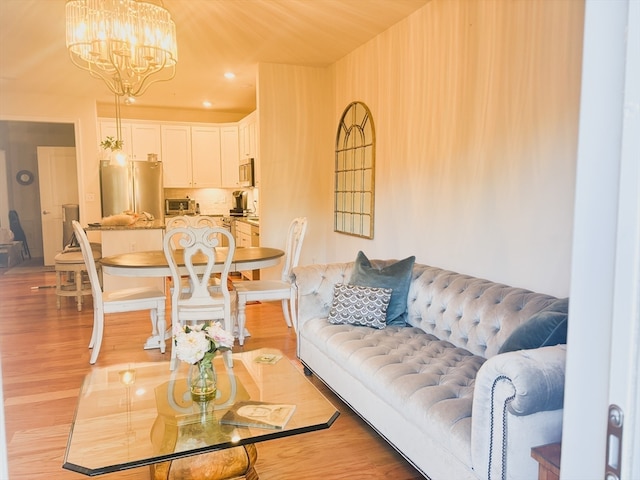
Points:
[(235, 463)]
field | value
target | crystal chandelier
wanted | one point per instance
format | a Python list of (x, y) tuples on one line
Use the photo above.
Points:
[(129, 44)]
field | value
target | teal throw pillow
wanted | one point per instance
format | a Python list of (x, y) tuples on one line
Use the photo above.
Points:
[(396, 276), (545, 328)]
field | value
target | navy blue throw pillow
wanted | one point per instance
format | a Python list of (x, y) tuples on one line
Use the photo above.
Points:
[(396, 277), (545, 328)]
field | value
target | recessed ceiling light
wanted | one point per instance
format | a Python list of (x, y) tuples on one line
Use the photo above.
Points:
[(207, 104), (229, 75)]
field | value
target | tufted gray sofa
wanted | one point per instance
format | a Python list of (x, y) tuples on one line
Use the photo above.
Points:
[(438, 390)]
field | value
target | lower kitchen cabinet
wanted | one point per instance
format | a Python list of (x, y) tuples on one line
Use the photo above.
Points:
[(131, 240), (248, 235), (243, 234)]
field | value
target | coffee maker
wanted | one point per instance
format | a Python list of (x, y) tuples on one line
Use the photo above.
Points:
[(239, 203)]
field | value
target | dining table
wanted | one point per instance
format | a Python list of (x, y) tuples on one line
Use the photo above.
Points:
[(153, 263)]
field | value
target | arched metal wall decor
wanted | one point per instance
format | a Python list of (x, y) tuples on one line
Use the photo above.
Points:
[(355, 172)]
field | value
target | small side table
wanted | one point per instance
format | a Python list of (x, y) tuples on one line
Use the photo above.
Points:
[(548, 457)]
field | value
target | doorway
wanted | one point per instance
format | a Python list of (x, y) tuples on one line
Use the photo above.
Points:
[(20, 141)]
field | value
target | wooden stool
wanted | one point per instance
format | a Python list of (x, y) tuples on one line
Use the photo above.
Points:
[(71, 275)]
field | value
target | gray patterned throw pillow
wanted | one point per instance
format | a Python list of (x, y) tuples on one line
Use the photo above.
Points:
[(357, 305)]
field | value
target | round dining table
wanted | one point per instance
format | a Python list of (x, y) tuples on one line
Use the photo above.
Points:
[(153, 263)]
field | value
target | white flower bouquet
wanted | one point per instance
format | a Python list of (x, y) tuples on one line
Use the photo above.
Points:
[(199, 343)]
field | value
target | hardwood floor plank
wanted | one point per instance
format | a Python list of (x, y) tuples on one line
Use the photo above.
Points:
[(45, 357)]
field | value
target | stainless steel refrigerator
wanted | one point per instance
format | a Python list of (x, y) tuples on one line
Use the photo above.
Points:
[(135, 187)]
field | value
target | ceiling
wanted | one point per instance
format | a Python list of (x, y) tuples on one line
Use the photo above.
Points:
[(214, 36)]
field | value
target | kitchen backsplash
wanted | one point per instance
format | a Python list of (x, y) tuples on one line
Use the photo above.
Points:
[(213, 201)]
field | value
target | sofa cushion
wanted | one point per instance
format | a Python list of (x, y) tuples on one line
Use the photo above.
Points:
[(396, 276), (357, 305), (428, 381), (544, 329)]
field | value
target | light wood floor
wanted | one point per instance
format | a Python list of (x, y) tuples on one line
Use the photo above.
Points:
[(45, 357)]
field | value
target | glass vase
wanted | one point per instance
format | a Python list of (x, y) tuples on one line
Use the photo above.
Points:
[(202, 382)]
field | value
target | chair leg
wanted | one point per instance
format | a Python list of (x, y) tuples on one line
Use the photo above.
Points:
[(285, 311), (58, 288), (242, 317), (228, 359), (78, 286), (96, 336), (161, 322), (175, 327)]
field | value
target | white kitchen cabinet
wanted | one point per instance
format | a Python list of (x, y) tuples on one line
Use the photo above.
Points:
[(247, 134), (206, 157), (131, 240), (247, 236), (229, 155), (176, 155), (138, 139), (145, 139), (243, 234), (193, 155), (249, 141), (108, 129)]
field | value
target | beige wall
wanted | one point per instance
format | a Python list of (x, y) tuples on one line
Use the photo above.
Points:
[(296, 159), (476, 112), (82, 113)]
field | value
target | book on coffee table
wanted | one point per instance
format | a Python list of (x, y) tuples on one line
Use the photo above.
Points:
[(268, 358), (258, 414)]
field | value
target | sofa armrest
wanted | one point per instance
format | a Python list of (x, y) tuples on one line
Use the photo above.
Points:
[(517, 404), (314, 285)]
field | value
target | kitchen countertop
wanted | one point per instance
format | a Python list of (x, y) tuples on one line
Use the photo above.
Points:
[(139, 225), (255, 221), (215, 215)]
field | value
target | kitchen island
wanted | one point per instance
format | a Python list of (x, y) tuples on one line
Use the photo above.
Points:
[(138, 236)]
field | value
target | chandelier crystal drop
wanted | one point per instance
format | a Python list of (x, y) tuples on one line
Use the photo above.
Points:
[(129, 44)]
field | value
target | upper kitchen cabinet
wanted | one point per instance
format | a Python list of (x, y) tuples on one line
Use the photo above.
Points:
[(176, 155), (193, 155), (138, 139), (145, 139), (199, 156), (230, 155), (205, 157), (247, 133)]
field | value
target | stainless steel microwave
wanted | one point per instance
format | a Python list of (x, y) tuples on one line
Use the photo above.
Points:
[(179, 206), (246, 173)]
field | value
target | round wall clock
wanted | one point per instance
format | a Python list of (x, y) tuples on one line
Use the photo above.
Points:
[(24, 177)]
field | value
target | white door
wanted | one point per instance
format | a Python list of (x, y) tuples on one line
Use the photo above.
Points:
[(622, 459), (58, 182), (603, 352)]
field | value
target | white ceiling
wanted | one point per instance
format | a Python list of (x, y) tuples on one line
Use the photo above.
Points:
[(214, 36)]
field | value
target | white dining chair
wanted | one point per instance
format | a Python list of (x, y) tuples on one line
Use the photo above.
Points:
[(270, 290), (186, 221), (201, 302), (118, 301)]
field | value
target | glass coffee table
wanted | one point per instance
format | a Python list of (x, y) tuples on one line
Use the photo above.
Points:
[(140, 414)]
